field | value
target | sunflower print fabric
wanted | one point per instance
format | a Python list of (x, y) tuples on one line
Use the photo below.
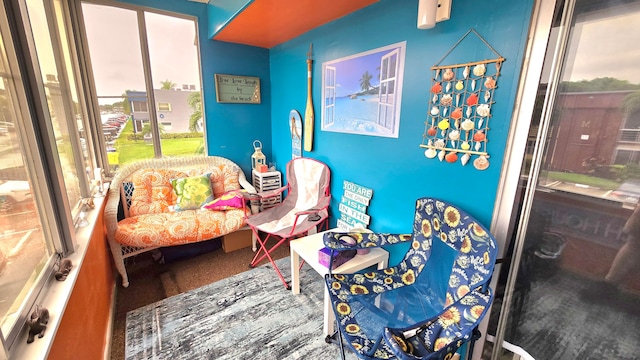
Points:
[(459, 304)]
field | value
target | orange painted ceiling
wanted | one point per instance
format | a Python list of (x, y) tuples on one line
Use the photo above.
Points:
[(267, 23)]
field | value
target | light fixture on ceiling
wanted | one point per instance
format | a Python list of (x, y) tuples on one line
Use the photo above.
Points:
[(432, 11), (200, 1)]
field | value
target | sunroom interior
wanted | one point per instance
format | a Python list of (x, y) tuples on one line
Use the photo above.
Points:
[(89, 85)]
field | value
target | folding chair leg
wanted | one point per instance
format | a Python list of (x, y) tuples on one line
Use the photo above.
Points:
[(341, 345), (257, 258)]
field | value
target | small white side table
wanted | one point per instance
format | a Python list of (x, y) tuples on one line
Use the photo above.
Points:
[(307, 248)]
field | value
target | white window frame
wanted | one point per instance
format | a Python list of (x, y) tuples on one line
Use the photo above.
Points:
[(57, 216)]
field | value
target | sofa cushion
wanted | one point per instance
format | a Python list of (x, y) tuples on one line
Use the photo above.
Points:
[(167, 229), (229, 200), (223, 179), (152, 191), (192, 192)]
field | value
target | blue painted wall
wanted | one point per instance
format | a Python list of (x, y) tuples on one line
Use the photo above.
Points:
[(396, 168), (230, 128)]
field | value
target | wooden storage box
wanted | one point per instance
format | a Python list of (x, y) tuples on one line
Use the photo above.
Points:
[(236, 240)]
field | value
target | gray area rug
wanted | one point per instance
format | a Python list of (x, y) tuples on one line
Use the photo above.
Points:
[(561, 321), (248, 316)]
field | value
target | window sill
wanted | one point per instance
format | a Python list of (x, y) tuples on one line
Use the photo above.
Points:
[(58, 293)]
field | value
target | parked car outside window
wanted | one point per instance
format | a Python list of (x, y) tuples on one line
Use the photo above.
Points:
[(628, 191), (13, 192)]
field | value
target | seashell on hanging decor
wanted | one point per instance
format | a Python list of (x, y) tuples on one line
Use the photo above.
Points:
[(483, 110), (467, 125), (464, 159), (451, 157), (446, 100), (436, 88), (448, 75), (481, 163), (472, 99), (490, 83), (454, 135), (479, 136), (479, 70), (457, 113)]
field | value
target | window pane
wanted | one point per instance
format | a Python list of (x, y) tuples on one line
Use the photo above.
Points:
[(57, 92), (578, 275), (116, 60), (173, 56), (23, 248), (81, 120)]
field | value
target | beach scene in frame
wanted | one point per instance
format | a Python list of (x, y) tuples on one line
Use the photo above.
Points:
[(362, 93)]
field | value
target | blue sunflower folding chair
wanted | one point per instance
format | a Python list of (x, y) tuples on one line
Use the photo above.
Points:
[(428, 305)]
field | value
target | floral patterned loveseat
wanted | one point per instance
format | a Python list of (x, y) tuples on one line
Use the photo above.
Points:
[(158, 202)]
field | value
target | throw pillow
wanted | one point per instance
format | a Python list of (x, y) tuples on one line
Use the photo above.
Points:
[(192, 192), (229, 200)]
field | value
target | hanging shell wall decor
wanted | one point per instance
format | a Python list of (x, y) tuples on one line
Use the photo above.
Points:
[(457, 131)]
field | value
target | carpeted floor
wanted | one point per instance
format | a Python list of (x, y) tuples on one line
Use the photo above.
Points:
[(151, 282), (246, 316)]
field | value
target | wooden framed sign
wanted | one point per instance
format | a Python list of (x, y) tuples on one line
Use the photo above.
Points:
[(237, 89)]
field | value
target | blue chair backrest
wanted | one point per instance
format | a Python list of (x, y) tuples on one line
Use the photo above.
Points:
[(449, 246)]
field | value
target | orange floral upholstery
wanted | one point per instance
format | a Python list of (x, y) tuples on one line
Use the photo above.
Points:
[(152, 191), (144, 191), (152, 221), (176, 228)]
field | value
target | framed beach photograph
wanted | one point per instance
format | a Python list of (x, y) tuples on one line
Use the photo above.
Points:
[(362, 93)]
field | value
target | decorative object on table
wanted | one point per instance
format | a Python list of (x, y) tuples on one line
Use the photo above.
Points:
[(37, 323), (257, 158), (237, 89), (64, 267), (339, 257), (98, 182), (308, 113), (353, 206), (461, 97), (88, 203), (295, 125), (362, 93)]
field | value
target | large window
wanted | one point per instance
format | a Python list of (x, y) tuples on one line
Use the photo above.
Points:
[(46, 155), (139, 58), (575, 245)]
